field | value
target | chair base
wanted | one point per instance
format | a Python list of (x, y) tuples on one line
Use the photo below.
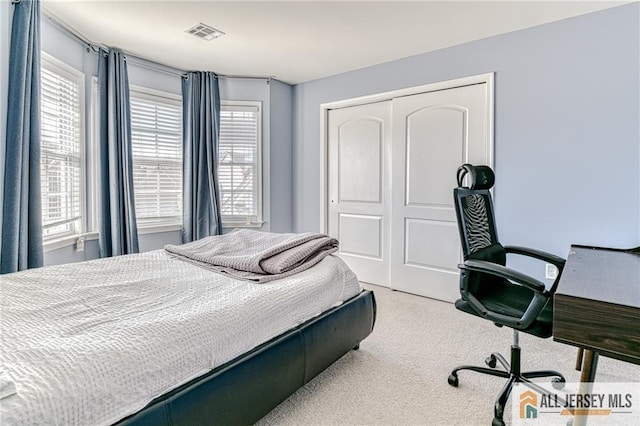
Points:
[(512, 373)]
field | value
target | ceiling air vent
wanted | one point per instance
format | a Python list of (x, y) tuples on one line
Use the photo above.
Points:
[(204, 31)]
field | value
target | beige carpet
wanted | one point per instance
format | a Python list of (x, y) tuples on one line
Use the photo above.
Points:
[(399, 375)]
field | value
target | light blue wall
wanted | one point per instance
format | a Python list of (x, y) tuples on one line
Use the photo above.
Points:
[(567, 127), (156, 80)]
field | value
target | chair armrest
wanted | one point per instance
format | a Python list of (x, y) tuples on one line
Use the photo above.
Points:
[(537, 254), (538, 302), (504, 272)]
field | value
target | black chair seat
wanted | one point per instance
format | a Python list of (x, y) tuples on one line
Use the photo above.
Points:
[(513, 300)]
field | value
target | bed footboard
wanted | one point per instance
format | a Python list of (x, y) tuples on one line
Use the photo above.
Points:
[(248, 387)]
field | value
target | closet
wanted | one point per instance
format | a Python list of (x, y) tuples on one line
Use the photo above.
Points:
[(390, 171)]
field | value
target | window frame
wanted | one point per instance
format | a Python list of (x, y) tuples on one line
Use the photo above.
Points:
[(54, 65), (141, 92), (258, 222), (88, 157)]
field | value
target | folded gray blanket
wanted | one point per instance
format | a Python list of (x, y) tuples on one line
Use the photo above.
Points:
[(256, 256)]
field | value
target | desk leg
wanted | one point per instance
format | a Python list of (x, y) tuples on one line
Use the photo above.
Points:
[(589, 366), (588, 376), (579, 357)]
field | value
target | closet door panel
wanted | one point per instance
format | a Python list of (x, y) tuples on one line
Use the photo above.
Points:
[(434, 133), (359, 139)]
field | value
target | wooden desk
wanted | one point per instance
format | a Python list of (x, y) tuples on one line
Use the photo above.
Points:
[(597, 308), (597, 303)]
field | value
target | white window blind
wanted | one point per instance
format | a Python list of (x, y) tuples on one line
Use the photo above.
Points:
[(239, 162), (61, 152), (156, 131)]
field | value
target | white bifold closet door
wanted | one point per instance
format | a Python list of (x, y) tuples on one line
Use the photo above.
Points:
[(359, 188), (433, 134), (391, 174)]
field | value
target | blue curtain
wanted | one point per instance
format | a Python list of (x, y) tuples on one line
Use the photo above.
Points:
[(21, 215), (201, 128), (118, 233)]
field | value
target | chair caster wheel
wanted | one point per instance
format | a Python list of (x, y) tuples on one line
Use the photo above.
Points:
[(491, 361), (453, 380), (356, 347), (497, 422), (558, 382)]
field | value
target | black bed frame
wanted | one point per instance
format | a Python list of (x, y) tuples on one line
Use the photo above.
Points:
[(245, 389)]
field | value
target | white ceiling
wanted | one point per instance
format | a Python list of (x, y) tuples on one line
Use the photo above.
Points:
[(298, 41)]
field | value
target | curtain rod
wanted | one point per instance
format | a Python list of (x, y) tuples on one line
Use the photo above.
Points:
[(156, 66), (153, 65), (68, 30), (142, 62), (246, 77)]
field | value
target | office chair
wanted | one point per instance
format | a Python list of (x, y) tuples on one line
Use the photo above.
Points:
[(494, 292)]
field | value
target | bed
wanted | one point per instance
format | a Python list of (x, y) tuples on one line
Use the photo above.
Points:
[(150, 339)]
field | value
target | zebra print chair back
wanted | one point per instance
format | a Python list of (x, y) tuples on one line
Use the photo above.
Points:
[(474, 211)]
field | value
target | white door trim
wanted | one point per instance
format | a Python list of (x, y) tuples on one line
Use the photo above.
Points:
[(487, 78)]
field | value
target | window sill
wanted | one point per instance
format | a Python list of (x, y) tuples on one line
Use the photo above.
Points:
[(231, 225), (155, 229), (69, 240)]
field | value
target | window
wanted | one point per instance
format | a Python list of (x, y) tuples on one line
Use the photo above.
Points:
[(239, 170), (156, 134), (62, 149)]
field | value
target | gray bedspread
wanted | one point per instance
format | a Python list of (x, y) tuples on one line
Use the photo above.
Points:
[(256, 256)]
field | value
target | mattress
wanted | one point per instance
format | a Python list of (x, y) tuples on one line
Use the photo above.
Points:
[(93, 342)]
